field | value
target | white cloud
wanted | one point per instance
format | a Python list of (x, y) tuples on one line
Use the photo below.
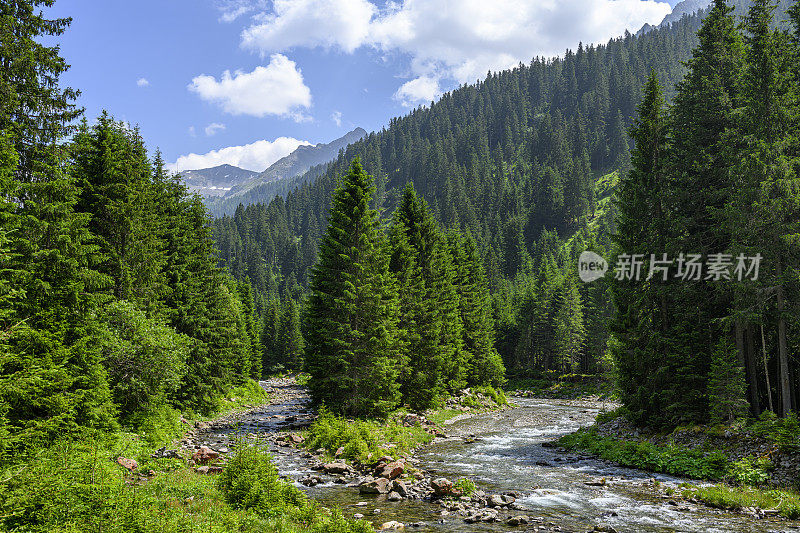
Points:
[(192, 131), (213, 128), (277, 89), (230, 10), (422, 90), (328, 23), (256, 156), (142, 82), (454, 40), (336, 117)]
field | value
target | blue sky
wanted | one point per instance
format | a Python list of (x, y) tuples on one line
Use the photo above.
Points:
[(303, 71)]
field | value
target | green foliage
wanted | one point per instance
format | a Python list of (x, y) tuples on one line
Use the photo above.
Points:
[(250, 481), (352, 345), (737, 498), (785, 432), (498, 396), (465, 485), (145, 359), (73, 487), (749, 471), (686, 462), (363, 440)]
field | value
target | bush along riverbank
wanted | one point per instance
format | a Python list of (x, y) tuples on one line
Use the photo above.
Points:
[(129, 482), (756, 465)]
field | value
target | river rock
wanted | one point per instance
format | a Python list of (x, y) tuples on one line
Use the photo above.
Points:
[(443, 487), (295, 438), (128, 464), (376, 486), (520, 520), (604, 528), (394, 497), (164, 453), (358, 516), (400, 488), (391, 470), (500, 500), (393, 525), (336, 468), (204, 455)]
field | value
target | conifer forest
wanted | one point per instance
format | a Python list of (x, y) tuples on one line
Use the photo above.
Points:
[(433, 267)]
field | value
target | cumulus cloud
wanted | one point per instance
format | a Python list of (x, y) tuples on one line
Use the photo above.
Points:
[(336, 117), (192, 131), (277, 89), (424, 89), (328, 23), (256, 156), (142, 82), (454, 40), (213, 128)]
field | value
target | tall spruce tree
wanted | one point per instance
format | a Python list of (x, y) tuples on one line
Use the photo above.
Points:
[(56, 382), (639, 305), (351, 347)]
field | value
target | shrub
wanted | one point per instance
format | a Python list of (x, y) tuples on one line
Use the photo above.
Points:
[(466, 486), (360, 438), (749, 471), (673, 460), (250, 481)]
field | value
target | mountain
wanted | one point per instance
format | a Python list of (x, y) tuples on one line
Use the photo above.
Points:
[(217, 181), (299, 161), (686, 7), (278, 179)]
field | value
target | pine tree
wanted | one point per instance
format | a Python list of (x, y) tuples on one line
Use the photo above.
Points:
[(292, 343), (642, 229), (484, 365), (726, 384), (351, 320)]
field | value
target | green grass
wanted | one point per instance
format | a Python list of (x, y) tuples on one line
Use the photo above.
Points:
[(363, 441), (675, 460), (786, 503), (440, 416), (76, 486)]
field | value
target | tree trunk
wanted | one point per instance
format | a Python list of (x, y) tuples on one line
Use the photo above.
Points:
[(752, 369), (783, 357), (766, 369)]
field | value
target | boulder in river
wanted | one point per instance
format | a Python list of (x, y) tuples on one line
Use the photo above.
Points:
[(400, 488), (444, 487), (500, 500), (393, 525), (390, 470), (380, 485), (520, 520), (336, 468)]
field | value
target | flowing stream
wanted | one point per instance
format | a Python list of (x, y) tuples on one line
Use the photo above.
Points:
[(502, 451)]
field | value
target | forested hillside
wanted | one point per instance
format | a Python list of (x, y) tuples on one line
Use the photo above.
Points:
[(515, 161), (528, 162)]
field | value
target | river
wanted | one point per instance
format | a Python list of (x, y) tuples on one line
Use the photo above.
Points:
[(502, 451)]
